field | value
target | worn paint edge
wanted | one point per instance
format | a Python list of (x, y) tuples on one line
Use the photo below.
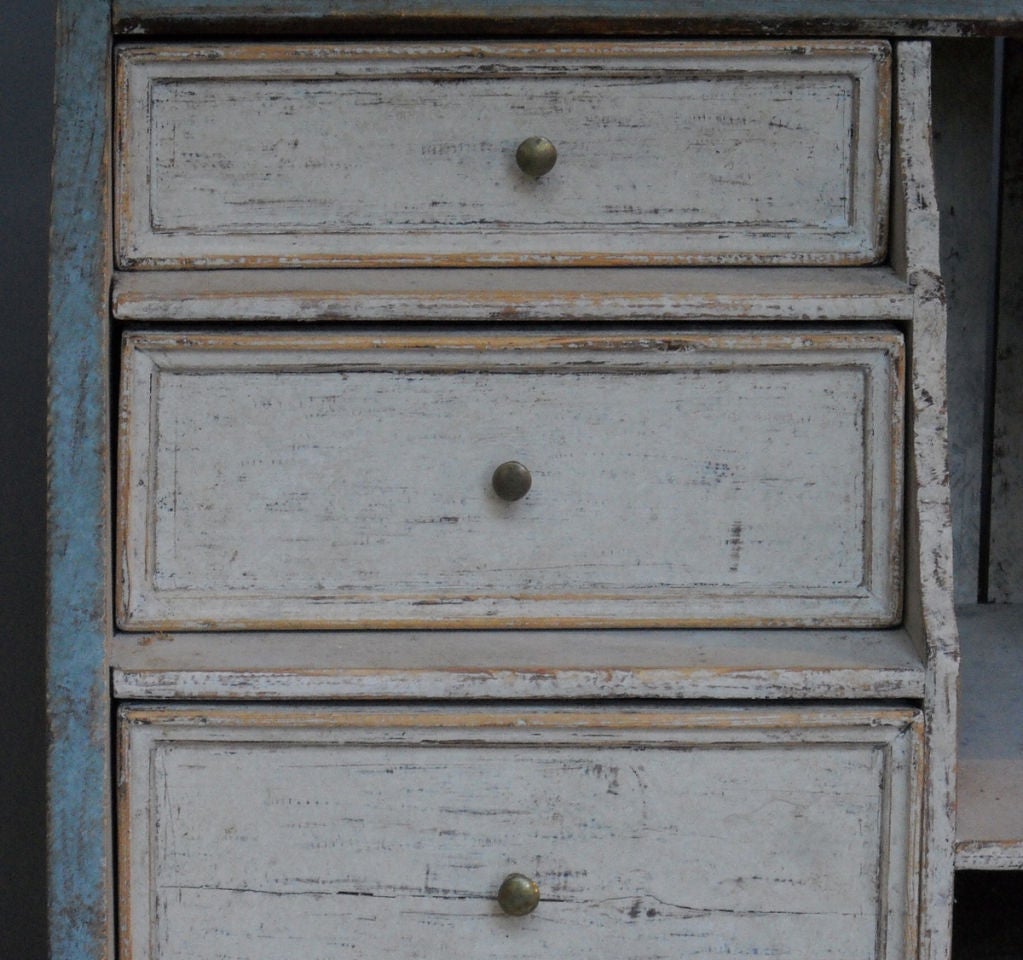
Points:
[(79, 838), (989, 855), (618, 17), (395, 684), (928, 498)]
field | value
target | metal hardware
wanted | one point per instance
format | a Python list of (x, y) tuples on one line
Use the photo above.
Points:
[(518, 895), (511, 481), (536, 156)]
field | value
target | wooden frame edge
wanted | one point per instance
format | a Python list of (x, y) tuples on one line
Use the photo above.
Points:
[(78, 534)]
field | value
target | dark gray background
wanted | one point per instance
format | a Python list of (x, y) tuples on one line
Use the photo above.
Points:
[(26, 65), (990, 906)]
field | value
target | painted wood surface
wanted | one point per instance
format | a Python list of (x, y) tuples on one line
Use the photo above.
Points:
[(79, 831), (568, 17), (1005, 577), (247, 155), (685, 664), (728, 477), (930, 613), (78, 533), (683, 833), (499, 296), (990, 828), (966, 142)]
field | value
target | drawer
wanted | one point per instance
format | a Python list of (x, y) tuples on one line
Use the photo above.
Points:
[(263, 833), (274, 155), (306, 479)]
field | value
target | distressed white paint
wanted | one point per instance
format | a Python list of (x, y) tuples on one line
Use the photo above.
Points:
[(222, 764), (725, 477), (751, 152), (499, 296), (396, 664), (930, 615), (682, 833)]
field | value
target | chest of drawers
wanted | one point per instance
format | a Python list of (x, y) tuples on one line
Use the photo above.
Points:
[(542, 462)]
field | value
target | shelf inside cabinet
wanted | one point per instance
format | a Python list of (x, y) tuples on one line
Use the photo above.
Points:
[(990, 829)]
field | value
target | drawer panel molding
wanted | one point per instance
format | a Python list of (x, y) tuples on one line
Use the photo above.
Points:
[(760, 152), (723, 477), (746, 831)]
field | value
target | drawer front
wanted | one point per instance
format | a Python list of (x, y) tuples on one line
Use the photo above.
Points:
[(266, 833), (666, 153), (720, 477)]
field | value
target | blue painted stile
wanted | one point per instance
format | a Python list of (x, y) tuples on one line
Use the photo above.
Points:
[(78, 537)]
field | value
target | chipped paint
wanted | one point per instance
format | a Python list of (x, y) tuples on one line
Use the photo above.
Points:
[(224, 159), (78, 585), (459, 797), (796, 434)]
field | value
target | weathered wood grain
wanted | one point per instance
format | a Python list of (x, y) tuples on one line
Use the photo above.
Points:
[(575, 17), (930, 614), (650, 833), (849, 865), (730, 477), (499, 296), (246, 155), (78, 534), (535, 664)]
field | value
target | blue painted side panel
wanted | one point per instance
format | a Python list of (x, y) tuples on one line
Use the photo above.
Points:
[(859, 16), (78, 535)]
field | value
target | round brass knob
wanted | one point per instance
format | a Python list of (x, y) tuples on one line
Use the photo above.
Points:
[(536, 156), (511, 481), (518, 895)]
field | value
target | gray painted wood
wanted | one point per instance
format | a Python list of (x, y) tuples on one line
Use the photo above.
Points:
[(1006, 566), (726, 478), (990, 829), (930, 615), (359, 834), (567, 17), (965, 144), (667, 153)]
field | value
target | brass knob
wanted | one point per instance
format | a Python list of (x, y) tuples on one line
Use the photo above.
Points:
[(511, 481), (518, 895), (536, 156)]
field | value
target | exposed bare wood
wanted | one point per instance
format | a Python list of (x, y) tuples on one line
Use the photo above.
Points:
[(646, 295)]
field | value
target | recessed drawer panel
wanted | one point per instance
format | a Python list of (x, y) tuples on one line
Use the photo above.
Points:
[(277, 155), (718, 477), (274, 832)]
